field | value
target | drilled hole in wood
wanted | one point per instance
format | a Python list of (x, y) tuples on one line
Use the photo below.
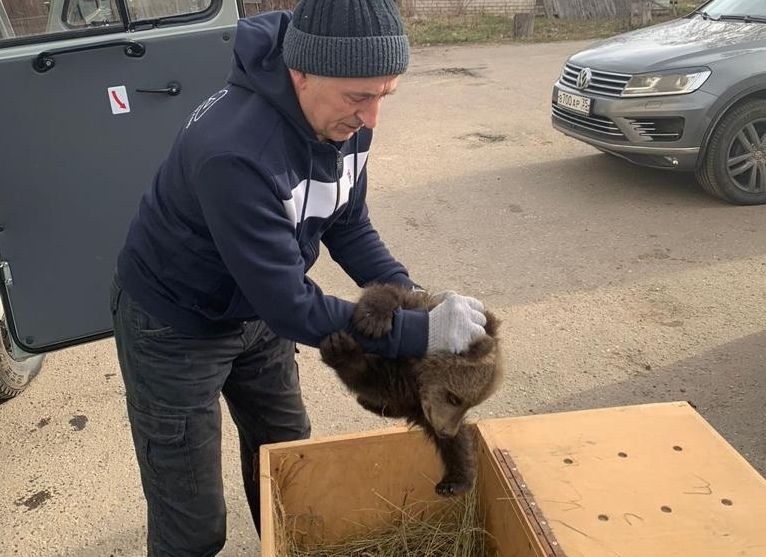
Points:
[(622, 455), (677, 448), (727, 502), (568, 461), (603, 517), (666, 509)]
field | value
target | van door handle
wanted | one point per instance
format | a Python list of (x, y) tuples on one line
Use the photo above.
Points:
[(45, 60), (173, 89)]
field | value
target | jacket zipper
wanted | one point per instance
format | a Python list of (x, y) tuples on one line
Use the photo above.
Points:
[(338, 170)]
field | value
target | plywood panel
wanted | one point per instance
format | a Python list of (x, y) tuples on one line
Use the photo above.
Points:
[(650, 480), (337, 486), (510, 529), (334, 488)]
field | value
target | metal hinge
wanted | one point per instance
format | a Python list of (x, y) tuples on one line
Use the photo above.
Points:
[(5, 271), (526, 501)]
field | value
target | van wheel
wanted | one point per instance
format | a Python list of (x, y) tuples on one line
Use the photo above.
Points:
[(15, 376), (734, 167)]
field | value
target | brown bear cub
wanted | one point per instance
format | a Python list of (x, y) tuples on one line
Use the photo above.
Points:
[(433, 392)]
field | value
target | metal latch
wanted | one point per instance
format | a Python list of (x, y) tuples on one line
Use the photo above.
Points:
[(5, 272)]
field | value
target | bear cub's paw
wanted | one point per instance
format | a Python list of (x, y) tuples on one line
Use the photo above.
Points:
[(374, 313), (452, 488), (339, 348)]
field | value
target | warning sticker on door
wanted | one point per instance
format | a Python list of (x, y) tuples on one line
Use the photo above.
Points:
[(118, 98)]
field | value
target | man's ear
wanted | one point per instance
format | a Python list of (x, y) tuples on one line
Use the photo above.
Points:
[(299, 79)]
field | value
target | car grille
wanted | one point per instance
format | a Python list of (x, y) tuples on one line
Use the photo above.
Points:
[(610, 84), (658, 129), (598, 125)]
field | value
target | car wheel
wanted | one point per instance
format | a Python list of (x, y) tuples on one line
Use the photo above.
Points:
[(15, 376), (734, 167)]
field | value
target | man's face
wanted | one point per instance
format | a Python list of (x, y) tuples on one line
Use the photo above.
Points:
[(337, 107)]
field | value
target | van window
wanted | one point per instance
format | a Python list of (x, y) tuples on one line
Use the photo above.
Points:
[(79, 14), (47, 19), (153, 9)]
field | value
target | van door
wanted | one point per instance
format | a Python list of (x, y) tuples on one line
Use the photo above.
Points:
[(92, 93)]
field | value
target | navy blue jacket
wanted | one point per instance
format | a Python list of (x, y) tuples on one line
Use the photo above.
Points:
[(236, 213)]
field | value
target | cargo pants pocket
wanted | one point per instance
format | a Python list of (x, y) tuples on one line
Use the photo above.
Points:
[(162, 450)]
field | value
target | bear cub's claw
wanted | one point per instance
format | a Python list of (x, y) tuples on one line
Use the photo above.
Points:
[(447, 488)]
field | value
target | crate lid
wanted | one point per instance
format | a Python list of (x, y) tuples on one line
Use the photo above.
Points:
[(636, 481)]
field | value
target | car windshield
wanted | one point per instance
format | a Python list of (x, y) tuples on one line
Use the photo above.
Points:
[(740, 8)]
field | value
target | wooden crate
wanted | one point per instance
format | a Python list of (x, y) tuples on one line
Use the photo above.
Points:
[(640, 481)]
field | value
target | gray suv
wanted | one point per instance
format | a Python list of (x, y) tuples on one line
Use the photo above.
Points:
[(689, 94)]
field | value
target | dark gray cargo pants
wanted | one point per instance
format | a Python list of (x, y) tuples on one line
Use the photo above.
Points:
[(173, 383)]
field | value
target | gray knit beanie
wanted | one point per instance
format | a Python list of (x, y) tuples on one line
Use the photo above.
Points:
[(346, 38)]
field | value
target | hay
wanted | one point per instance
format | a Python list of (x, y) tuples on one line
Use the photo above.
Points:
[(453, 530)]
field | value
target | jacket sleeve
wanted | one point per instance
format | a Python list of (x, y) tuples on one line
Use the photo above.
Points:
[(357, 247), (256, 240)]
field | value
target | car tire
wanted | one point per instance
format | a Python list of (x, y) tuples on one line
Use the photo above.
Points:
[(15, 376), (734, 165)]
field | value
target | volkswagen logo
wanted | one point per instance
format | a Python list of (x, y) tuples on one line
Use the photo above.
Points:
[(583, 78)]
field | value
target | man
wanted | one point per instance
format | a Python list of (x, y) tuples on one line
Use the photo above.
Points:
[(211, 292)]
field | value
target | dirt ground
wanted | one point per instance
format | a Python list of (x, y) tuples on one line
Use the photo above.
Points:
[(616, 284)]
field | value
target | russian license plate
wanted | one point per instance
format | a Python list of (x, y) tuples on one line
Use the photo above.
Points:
[(576, 103)]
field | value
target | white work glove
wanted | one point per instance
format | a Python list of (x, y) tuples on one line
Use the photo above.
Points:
[(441, 295), (455, 323)]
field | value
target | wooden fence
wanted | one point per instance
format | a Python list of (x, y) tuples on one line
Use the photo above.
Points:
[(604, 9)]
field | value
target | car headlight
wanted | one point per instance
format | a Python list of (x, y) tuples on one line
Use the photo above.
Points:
[(676, 83)]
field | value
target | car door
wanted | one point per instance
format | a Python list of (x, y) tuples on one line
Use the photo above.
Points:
[(92, 93)]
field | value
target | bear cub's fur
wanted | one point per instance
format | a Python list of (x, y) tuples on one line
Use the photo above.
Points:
[(433, 392)]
